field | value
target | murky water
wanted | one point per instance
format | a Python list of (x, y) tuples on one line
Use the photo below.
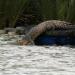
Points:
[(35, 60)]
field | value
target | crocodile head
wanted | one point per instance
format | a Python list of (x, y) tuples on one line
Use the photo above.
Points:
[(26, 40)]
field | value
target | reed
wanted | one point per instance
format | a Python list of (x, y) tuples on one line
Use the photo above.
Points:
[(57, 9), (10, 10), (48, 10)]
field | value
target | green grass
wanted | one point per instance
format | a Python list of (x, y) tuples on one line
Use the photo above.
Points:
[(48, 9), (10, 9)]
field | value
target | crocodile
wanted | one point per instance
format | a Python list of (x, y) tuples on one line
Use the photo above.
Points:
[(43, 27)]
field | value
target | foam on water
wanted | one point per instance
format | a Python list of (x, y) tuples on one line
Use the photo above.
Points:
[(35, 60)]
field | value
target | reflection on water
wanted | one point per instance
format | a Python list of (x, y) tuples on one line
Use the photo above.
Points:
[(35, 60), (51, 40)]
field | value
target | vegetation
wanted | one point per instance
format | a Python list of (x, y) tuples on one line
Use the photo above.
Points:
[(9, 11), (38, 10)]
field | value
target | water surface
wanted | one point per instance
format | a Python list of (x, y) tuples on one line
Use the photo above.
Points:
[(35, 60)]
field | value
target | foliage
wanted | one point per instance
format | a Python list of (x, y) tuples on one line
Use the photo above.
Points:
[(47, 9), (62, 7), (10, 10), (66, 10), (57, 9), (71, 11)]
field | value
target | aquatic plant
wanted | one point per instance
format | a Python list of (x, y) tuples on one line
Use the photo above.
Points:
[(9, 11)]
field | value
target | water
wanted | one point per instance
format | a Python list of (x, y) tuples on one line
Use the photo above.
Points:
[(35, 60), (51, 40)]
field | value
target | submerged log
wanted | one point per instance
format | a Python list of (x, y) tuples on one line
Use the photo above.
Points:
[(48, 25)]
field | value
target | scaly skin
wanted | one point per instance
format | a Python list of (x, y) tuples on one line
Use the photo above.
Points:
[(42, 27)]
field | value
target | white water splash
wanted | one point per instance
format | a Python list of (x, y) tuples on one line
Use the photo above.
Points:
[(35, 60)]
